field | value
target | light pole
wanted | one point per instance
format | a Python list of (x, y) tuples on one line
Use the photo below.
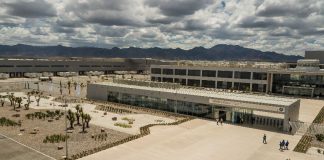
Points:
[(66, 143)]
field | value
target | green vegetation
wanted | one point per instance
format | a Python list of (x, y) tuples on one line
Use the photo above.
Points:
[(305, 142), (55, 138), (124, 125), (44, 115), (7, 122), (130, 120), (320, 137)]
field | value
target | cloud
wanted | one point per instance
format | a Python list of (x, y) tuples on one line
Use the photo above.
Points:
[(30, 9), (178, 8), (286, 26)]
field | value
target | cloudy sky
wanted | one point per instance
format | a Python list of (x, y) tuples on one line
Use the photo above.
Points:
[(285, 26)]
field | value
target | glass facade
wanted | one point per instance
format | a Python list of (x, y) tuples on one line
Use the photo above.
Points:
[(167, 71), (193, 72), (156, 70), (259, 76), (193, 82), (233, 115), (170, 80), (224, 85), (208, 73), (225, 74), (298, 84), (242, 86), (208, 84), (180, 72), (180, 81), (242, 75)]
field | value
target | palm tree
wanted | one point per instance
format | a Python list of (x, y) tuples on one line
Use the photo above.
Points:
[(70, 116)]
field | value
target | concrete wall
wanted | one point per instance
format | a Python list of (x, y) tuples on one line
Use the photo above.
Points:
[(315, 55)]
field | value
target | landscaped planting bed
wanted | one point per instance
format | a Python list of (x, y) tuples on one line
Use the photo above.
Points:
[(306, 141)]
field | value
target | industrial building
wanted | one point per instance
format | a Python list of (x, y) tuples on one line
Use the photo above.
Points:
[(81, 66), (315, 55), (306, 79), (234, 107)]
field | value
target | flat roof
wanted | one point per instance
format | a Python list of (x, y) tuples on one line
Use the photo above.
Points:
[(243, 97)]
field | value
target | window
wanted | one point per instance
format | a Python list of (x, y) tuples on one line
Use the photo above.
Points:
[(41, 66), (242, 75), (208, 84), (57, 66), (193, 72), (6, 66), (181, 72), (24, 66), (224, 85), (242, 86), (156, 70), (208, 73), (225, 74), (180, 81), (167, 71), (259, 76), (84, 66), (259, 87), (193, 82), (170, 80), (95, 66)]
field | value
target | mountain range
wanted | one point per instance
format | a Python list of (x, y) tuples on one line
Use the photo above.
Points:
[(218, 52)]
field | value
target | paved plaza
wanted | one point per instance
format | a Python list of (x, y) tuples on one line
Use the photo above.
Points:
[(11, 150), (202, 139)]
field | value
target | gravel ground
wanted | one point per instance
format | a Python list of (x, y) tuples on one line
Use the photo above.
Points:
[(77, 143)]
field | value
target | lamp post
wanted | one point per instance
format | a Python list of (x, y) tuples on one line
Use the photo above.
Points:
[(66, 143)]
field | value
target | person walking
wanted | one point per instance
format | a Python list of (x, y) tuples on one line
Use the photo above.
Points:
[(217, 121), (264, 139), (282, 145), (221, 121), (286, 145)]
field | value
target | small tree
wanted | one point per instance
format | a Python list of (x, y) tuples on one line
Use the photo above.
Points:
[(19, 100), (70, 116), (77, 114), (69, 86), (83, 117), (2, 100), (87, 119), (26, 106), (38, 97)]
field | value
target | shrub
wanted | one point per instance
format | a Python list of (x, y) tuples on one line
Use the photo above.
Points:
[(124, 125), (55, 138), (7, 122), (319, 137)]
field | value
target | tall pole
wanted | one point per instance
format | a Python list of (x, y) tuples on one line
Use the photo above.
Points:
[(66, 144)]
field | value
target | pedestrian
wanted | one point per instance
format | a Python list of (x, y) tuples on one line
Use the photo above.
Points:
[(221, 121), (286, 145), (283, 144), (280, 145), (217, 121), (264, 139)]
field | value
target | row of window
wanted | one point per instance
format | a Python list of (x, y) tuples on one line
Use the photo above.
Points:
[(212, 84), (211, 73), (23, 66)]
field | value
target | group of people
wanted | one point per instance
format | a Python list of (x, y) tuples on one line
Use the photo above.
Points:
[(220, 120), (283, 144)]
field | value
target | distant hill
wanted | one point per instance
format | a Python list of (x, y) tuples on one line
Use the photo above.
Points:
[(218, 52)]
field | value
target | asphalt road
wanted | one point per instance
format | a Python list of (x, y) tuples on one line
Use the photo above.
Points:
[(10, 150)]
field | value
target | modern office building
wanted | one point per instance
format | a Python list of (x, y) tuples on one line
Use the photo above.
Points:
[(306, 79), (232, 107), (18, 67)]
